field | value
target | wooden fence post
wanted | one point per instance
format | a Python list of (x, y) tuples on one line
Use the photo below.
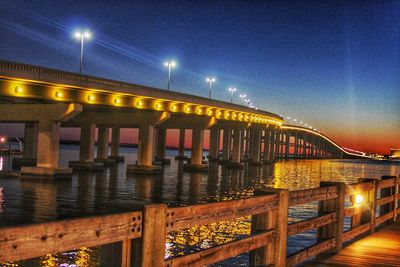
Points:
[(150, 249), (365, 216), (396, 197), (334, 229), (275, 252)]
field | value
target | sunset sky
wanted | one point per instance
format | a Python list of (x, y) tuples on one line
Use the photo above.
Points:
[(332, 64)]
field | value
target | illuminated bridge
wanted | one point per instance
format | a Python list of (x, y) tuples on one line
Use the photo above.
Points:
[(46, 100)]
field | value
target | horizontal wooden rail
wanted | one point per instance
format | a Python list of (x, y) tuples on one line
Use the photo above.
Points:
[(348, 235), (386, 183), (385, 200), (302, 226), (309, 195), (354, 210), (307, 253), (29, 241), (223, 252), (189, 216), (359, 187), (384, 218)]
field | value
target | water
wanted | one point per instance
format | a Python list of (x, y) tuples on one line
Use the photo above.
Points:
[(93, 193)]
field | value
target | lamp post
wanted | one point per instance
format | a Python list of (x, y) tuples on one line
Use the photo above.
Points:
[(170, 65), (232, 90), (210, 81), (242, 96), (82, 36)]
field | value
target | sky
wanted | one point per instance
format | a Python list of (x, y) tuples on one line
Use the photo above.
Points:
[(334, 65)]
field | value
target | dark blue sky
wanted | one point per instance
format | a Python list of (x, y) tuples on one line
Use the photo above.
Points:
[(332, 64)]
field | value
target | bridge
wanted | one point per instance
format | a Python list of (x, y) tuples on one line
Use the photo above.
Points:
[(46, 99)]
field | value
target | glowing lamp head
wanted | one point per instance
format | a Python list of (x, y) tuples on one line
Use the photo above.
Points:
[(18, 90), (90, 98), (139, 103), (117, 101), (59, 94), (2, 139), (174, 107), (210, 80), (171, 64), (80, 35), (359, 199), (210, 112), (187, 109)]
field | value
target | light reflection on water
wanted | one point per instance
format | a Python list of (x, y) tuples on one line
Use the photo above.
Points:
[(94, 193)]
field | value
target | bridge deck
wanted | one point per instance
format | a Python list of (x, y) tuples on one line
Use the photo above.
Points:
[(379, 249)]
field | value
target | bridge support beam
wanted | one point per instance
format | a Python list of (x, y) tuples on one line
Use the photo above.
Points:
[(287, 144), (103, 137), (226, 147), (30, 146), (196, 162), (236, 152), (267, 146), (86, 150), (115, 143), (161, 136), (256, 147), (47, 154), (145, 152), (181, 149), (214, 144)]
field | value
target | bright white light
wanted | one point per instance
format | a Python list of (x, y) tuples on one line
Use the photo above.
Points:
[(2, 139), (288, 117), (170, 63), (210, 79), (232, 89), (359, 199), (86, 34)]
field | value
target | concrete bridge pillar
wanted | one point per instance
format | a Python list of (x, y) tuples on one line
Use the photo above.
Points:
[(236, 152), (287, 144), (145, 152), (304, 146), (272, 145), (48, 139), (256, 147), (181, 148), (267, 142), (115, 143), (31, 140), (296, 145), (214, 144), (86, 150), (277, 143), (196, 162), (226, 147), (103, 138), (161, 141)]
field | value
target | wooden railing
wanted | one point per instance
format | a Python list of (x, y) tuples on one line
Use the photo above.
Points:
[(269, 226)]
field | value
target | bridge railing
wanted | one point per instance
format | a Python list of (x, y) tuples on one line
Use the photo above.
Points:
[(365, 205)]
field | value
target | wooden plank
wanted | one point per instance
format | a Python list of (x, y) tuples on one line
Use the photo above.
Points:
[(281, 227), (385, 200), (359, 187), (315, 194), (356, 231), (356, 209), (194, 215), (307, 253), (384, 218), (222, 252), (29, 241), (386, 183), (299, 227), (126, 253)]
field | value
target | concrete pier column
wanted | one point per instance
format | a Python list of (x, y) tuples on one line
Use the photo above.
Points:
[(115, 143), (196, 162), (272, 145), (181, 145), (161, 136), (277, 143), (214, 144), (287, 144), (145, 152), (267, 143), (256, 147), (304, 146), (103, 138), (31, 140), (48, 139), (296, 145), (86, 150), (226, 148), (237, 140), (30, 146)]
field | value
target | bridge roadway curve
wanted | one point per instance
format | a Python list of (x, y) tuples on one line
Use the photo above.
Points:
[(47, 99)]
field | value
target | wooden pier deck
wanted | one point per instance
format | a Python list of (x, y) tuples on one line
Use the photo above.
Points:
[(382, 248)]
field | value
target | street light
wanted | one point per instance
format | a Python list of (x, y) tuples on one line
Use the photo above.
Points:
[(242, 96), (210, 80), (232, 90), (81, 36), (169, 64), (294, 120)]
